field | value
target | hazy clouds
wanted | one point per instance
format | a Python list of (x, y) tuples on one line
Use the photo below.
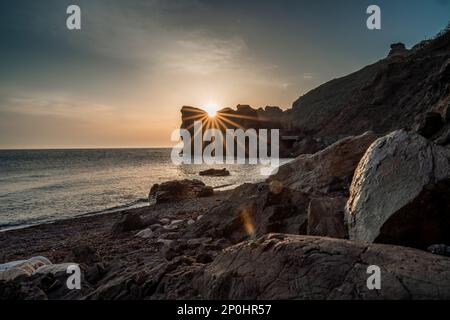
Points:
[(121, 80)]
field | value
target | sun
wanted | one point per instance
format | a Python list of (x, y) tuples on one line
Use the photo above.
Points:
[(211, 109)]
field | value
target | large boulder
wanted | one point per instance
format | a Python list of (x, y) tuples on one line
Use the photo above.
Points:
[(301, 267), (177, 190), (401, 193)]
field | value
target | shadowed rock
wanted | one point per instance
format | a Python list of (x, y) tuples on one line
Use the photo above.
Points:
[(429, 124), (326, 217), (281, 203), (128, 222)]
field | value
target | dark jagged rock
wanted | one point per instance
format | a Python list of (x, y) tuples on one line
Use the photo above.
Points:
[(397, 49), (321, 173), (400, 193), (215, 172), (85, 254), (440, 249), (177, 190), (244, 117), (326, 217)]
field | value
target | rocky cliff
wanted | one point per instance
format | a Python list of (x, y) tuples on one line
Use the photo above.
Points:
[(387, 95), (393, 93)]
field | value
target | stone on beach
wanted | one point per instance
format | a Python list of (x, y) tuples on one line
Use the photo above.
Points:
[(281, 203), (326, 217), (177, 190), (145, 234)]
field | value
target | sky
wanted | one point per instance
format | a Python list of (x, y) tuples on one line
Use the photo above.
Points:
[(122, 79)]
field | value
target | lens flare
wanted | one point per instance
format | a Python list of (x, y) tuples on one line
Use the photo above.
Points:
[(211, 109)]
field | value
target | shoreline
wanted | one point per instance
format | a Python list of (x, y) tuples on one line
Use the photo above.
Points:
[(120, 208), (53, 238)]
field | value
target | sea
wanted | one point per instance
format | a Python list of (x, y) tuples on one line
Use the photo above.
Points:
[(42, 186)]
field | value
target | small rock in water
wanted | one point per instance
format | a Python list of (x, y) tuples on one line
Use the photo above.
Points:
[(146, 233)]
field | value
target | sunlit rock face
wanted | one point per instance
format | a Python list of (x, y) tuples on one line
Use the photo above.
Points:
[(243, 117), (400, 193)]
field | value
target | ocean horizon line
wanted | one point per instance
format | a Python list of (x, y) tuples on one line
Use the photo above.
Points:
[(85, 148)]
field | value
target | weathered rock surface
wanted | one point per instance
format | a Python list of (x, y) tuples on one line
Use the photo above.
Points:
[(401, 193), (298, 267), (179, 190), (215, 172)]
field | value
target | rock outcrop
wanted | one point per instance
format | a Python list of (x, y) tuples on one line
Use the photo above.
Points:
[(299, 267), (400, 193), (397, 49), (382, 97), (177, 190)]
